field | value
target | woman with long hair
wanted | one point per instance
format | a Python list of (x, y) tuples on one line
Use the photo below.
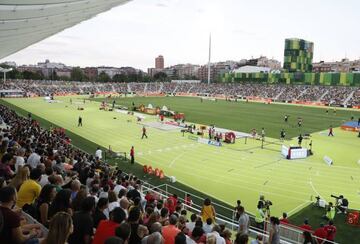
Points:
[(60, 228), (208, 211), (22, 175), (61, 203), (47, 195), (274, 237)]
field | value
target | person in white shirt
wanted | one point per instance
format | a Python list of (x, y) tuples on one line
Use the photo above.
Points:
[(215, 234), (20, 161), (113, 203), (104, 192), (244, 222), (98, 153), (45, 177), (34, 159), (118, 187), (208, 226), (191, 225)]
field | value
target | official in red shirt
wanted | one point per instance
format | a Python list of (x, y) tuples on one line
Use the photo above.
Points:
[(331, 231), (306, 226), (132, 155), (321, 234), (284, 220), (107, 228)]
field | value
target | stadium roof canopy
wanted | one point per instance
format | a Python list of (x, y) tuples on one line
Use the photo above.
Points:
[(25, 22), (252, 69)]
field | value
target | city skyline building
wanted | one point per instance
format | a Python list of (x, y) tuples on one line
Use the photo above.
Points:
[(159, 62)]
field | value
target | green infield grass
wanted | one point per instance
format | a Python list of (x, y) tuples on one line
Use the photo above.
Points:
[(231, 172)]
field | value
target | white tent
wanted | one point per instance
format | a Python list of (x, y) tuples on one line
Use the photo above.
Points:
[(25, 22)]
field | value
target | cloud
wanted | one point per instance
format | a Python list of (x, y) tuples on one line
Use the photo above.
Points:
[(162, 5)]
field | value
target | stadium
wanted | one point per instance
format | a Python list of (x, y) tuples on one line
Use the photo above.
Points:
[(259, 156)]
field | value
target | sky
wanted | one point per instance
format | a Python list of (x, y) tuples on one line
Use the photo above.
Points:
[(135, 33)]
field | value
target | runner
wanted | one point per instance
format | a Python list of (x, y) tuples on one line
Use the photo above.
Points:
[(144, 133), (330, 131), (80, 121), (132, 155)]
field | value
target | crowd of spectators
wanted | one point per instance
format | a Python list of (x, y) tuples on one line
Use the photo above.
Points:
[(81, 199), (279, 92)]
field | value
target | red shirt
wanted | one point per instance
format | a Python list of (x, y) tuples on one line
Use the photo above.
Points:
[(170, 205), (188, 201), (169, 232), (331, 231), (174, 200), (132, 152), (149, 197), (105, 229), (306, 227), (284, 221), (321, 233)]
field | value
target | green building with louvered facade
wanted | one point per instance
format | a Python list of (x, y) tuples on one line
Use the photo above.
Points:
[(297, 69), (298, 55)]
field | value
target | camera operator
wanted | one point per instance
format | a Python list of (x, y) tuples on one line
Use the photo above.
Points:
[(265, 205), (342, 204)]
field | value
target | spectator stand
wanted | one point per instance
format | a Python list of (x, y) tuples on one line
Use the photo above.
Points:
[(288, 233)]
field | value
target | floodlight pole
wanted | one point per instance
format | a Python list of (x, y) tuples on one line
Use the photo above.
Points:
[(209, 59)]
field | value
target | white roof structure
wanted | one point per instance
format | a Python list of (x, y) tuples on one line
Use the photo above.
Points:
[(252, 69), (25, 22)]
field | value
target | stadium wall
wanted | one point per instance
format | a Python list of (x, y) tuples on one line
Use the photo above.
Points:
[(326, 79)]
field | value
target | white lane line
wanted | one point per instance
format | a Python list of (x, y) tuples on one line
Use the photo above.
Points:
[(313, 188), (298, 207), (176, 158)]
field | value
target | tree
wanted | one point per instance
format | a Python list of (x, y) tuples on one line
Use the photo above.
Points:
[(29, 75), (146, 78), (133, 77), (65, 78), (77, 74), (14, 74), (103, 77), (120, 78), (161, 76)]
